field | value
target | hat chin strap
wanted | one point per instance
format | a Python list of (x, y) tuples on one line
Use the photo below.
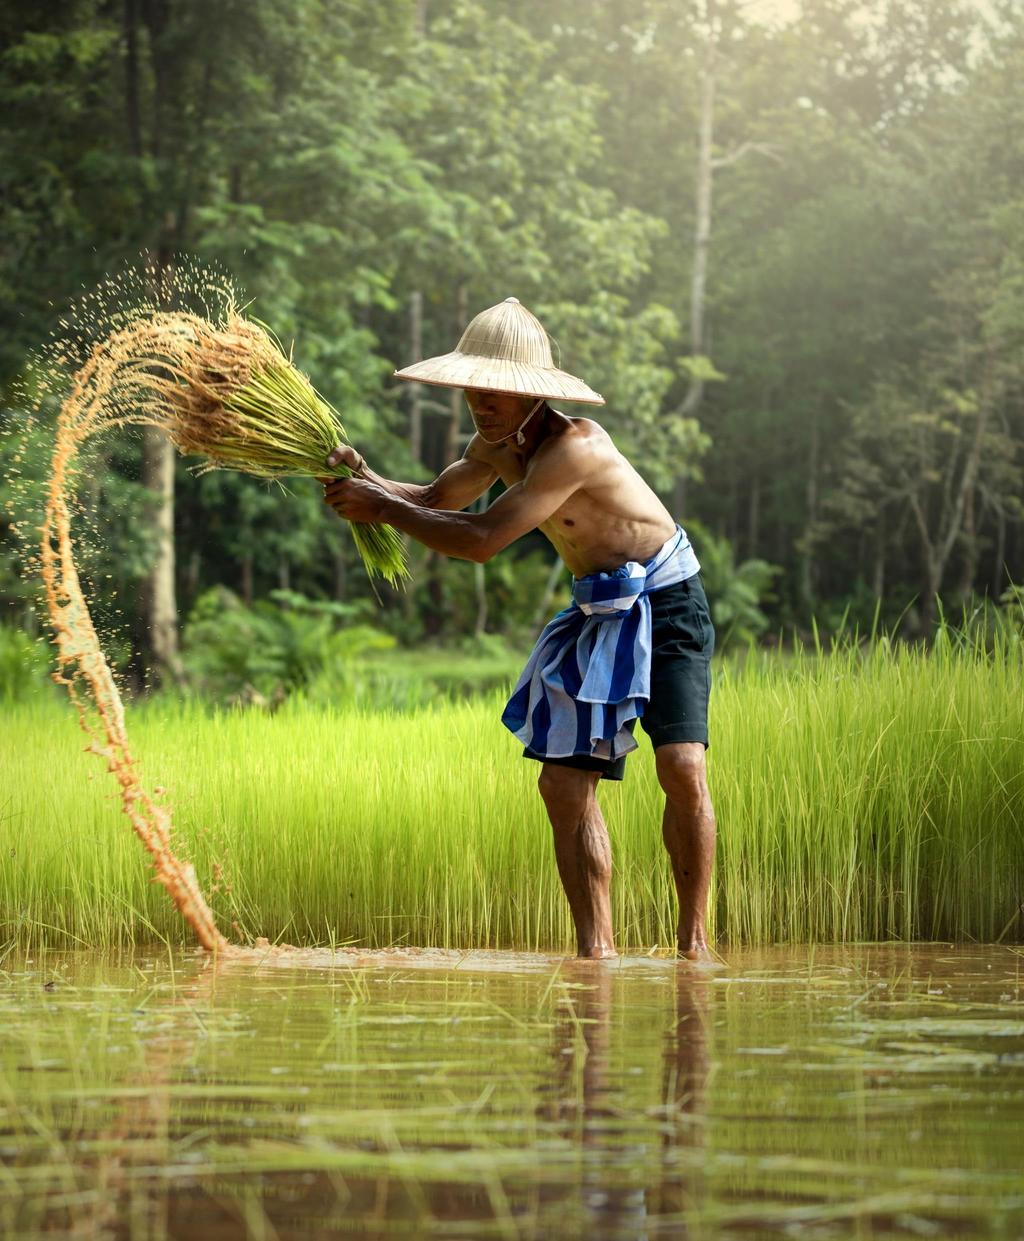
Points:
[(518, 432)]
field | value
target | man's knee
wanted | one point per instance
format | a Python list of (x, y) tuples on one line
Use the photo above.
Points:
[(566, 790), (682, 773)]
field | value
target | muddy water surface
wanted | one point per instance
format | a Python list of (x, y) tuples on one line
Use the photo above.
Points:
[(870, 1092)]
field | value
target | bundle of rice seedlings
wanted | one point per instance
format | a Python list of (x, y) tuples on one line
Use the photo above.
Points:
[(232, 396)]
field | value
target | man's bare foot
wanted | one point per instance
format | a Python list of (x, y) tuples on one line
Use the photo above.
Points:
[(599, 952), (699, 953)]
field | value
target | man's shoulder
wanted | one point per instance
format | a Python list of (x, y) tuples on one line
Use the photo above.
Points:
[(574, 452), (579, 429), (580, 439), (583, 430), (569, 439)]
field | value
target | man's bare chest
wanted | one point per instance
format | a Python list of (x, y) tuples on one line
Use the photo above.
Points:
[(567, 518), (582, 529)]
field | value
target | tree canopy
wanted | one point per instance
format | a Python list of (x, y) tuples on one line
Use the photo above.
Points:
[(838, 395)]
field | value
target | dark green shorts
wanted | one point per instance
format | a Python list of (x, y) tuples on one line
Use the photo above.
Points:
[(682, 643)]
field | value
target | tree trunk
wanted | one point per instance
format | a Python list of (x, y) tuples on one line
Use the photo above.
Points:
[(433, 619), (540, 617), (456, 399), (454, 428), (718, 38), (437, 564), (480, 580), (416, 390), (480, 590), (679, 499), (754, 516), (701, 242), (195, 563), (415, 411), (702, 231), (155, 14), (158, 594), (807, 559), (158, 476), (734, 505), (932, 589), (245, 566), (969, 560), (131, 77), (160, 606), (340, 573), (878, 564), (999, 558), (951, 521)]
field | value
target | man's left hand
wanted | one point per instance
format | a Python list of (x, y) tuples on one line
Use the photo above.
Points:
[(355, 499)]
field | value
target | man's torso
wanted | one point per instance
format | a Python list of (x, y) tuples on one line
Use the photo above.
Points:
[(612, 518)]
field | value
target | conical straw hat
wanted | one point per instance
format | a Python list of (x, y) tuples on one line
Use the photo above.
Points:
[(504, 349)]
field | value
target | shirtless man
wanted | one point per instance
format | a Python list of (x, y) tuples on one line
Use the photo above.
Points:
[(565, 477)]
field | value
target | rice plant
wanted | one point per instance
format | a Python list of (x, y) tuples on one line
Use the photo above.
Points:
[(229, 394), (862, 794)]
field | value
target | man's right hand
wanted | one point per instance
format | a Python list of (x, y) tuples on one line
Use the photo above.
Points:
[(345, 454)]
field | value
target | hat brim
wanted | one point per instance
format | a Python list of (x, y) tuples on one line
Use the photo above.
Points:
[(467, 370)]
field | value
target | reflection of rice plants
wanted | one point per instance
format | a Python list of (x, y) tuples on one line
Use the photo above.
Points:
[(860, 795)]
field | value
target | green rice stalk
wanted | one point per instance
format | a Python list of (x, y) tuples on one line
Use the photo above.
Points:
[(877, 793), (237, 400), (287, 428)]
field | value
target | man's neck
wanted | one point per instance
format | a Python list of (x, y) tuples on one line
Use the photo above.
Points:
[(537, 429)]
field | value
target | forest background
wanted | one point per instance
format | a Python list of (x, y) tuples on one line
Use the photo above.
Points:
[(789, 253)]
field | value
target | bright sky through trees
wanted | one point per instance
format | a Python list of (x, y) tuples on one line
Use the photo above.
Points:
[(772, 12), (781, 12)]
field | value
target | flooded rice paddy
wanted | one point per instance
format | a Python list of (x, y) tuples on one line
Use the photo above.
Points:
[(868, 1091)]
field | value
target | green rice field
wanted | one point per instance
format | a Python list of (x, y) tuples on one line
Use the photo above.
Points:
[(861, 795)]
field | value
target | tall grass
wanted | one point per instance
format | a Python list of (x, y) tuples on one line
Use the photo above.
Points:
[(860, 795)]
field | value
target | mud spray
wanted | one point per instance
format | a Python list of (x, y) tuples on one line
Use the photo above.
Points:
[(128, 347)]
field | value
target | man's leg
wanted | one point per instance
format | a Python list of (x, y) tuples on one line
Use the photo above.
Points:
[(583, 853), (688, 829)]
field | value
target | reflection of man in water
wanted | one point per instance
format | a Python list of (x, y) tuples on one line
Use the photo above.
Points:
[(636, 641), (627, 1186)]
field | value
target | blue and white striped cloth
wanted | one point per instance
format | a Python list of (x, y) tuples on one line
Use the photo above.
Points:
[(590, 670)]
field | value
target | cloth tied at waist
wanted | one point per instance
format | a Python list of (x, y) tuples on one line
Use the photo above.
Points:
[(589, 673)]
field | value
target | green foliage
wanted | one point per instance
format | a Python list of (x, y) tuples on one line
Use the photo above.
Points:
[(989, 624), (1012, 602), (278, 646), (24, 667), (115, 543), (864, 306), (627, 357), (735, 591), (515, 590)]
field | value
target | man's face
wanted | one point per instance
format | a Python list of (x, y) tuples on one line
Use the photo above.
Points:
[(497, 414)]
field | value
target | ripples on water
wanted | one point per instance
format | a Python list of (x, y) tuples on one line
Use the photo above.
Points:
[(870, 1092)]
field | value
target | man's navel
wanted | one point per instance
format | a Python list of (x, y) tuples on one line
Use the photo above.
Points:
[(568, 521)]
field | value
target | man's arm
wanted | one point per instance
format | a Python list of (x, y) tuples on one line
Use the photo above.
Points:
[(455, 487), (559, 469)]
